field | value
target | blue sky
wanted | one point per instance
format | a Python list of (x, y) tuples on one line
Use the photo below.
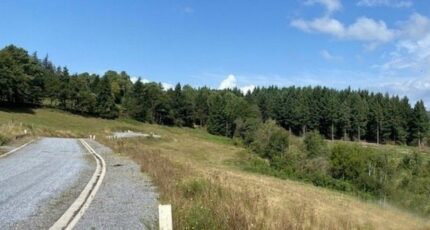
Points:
[(381, 45)]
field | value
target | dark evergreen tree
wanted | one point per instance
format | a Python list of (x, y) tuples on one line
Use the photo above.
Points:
[(106, 107), (217, 118), (419, 123), (182, 107)]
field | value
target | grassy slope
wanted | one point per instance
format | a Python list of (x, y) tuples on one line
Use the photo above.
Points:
[(206, 155)]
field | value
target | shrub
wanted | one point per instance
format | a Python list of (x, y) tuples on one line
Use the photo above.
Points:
[(270, 140), (4, 139), (245, 129), (315, 145)]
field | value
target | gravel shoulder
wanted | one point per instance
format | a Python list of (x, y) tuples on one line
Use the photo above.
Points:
[(39, 182), (126, 198), (14, 144)]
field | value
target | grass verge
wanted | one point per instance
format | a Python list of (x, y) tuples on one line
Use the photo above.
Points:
[(208, 201)]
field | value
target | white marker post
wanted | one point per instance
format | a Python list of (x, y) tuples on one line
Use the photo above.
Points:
[(165, 217)]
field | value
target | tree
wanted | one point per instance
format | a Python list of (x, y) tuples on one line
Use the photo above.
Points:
[(376, 117), (217, 117), (120, 84), (65, 91), (106, 107), (201, 106), (344, 117), (236, 107), (182, 107), (302, 111), (420, 122), (285, 111), (359, 112), (331, 112), (135, 102), (17, 73)]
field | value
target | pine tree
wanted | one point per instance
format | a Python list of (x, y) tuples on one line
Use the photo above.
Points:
[(106, 107), (217, 117), (182, 107), (420, 122), (376, 118), (202, 106), (332, 114), (344, 118), (302, 111), (359, 112)]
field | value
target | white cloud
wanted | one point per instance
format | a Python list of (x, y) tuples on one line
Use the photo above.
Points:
[(415, 89), (413, 48), (367, 29), (323, 25), (330, 57), (247, 88), (167, 86), (363, 29), (330, 5), (134, 79), (388, 3), (228, 83), (408, 66), (231, 82), (417, 26), (143, 80)]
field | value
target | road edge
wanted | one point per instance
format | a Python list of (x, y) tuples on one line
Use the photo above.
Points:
[(16, 149), (72, 215)]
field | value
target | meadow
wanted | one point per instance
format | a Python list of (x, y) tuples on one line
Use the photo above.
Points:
[(199, 175)]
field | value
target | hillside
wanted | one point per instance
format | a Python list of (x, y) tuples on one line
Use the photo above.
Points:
[(195, 171)]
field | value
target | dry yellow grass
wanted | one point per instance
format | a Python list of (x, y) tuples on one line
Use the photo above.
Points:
[(322, 208), (12, 133)]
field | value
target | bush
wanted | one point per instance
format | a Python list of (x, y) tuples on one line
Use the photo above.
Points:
[(315, 145), (245, 129), (4, 140), (348, 161), (270, 140)]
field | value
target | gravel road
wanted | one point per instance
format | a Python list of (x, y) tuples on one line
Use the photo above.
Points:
[(39, 182), (126, 198)]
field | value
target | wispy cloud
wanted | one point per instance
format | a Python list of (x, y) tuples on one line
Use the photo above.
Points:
[(386, 3), (363, 29), (330, 5), (330, 57), (412, 49)]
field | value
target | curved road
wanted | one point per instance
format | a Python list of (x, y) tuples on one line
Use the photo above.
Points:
[(40, 181)]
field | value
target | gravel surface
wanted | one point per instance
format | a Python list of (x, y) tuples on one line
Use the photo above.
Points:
[(126, 198), (131, 134), (39, 182)]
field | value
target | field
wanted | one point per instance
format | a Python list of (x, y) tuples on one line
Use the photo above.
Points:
[(194, 172)]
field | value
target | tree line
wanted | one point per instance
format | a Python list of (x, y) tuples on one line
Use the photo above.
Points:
[(336, 114)]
